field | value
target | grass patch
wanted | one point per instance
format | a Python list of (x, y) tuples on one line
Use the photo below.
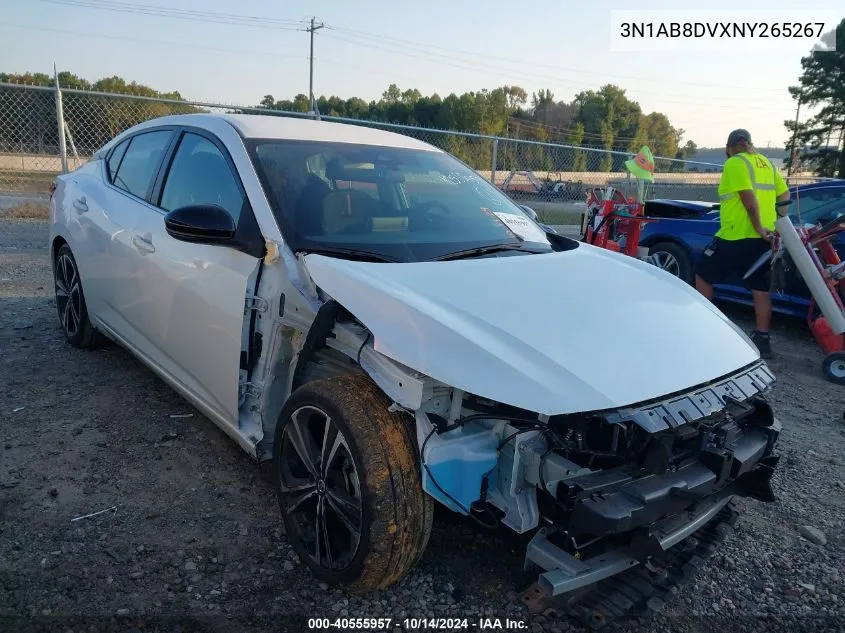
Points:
[(26, 182), (28, 211), (554, 216)]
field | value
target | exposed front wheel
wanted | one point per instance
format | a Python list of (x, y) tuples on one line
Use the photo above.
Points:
[(70, 302), (834, 367), (674, 259), (347, 478)]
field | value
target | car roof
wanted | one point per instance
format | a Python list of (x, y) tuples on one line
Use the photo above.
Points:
[(821, 184), (686, 204), (266, 126)]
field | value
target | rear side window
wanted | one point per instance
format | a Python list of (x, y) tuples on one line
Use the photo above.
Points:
[(140, 162), (820, 204), (115, 157), (200, 174)]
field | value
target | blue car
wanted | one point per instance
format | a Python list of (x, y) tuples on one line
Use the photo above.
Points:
[(677, 239)]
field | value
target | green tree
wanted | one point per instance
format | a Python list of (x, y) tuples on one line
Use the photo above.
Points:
[(392, 94), (663, 138), (817, 142), (607, 142), (642, 136), (576, 138)]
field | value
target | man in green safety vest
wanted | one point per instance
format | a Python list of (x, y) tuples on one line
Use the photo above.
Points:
[(749, 187)]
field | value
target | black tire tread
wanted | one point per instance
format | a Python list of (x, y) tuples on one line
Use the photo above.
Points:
[(387, 448), (88, 336), (827, 367)]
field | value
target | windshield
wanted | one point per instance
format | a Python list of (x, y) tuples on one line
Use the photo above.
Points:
[(396, 204)]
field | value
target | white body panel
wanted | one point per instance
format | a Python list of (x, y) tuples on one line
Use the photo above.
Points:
[(579, 330), (190, 310), (96, 221)]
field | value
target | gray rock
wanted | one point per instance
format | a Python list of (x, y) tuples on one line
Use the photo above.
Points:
[(288, 566), (190, 566), (813, 534)]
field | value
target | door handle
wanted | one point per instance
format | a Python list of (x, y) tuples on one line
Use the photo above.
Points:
[(80, 204), (144, 243)]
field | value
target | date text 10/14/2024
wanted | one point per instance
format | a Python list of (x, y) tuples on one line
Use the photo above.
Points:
[(417, 624)]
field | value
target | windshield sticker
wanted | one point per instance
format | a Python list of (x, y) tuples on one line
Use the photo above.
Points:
[(523, 227)]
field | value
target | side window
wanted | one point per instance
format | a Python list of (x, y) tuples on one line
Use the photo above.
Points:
[(115, 157), (140, 162), (819, 204), (200, 174)]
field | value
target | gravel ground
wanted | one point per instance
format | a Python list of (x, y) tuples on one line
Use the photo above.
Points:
[(194, 541)]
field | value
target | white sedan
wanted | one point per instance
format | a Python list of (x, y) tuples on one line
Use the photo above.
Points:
[(390, 329)]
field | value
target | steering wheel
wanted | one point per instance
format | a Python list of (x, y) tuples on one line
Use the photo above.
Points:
[(426, 207), (431, 213), (830, 227)]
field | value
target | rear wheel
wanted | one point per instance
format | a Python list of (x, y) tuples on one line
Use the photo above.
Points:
[(834, 367), (674, 259), (70, 302), (348, 481)]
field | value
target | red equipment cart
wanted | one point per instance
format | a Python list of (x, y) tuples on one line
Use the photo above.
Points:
[(614, 222)]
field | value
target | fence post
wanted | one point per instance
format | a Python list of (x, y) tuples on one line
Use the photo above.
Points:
[(60, 120), (493, 162)]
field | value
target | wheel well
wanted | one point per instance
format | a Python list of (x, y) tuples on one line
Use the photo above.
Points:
[(665, 238), (58, 242)]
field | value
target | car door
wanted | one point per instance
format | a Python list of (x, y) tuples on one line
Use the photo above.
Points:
[(109, 205), (191, 294)]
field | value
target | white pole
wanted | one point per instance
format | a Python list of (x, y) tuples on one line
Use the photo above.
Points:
[(810, 274), (60, 120)]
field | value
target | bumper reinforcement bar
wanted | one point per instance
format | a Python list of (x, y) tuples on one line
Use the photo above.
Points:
[(565, 573)]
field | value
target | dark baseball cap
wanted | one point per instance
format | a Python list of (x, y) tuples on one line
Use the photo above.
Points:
[(738, 135)]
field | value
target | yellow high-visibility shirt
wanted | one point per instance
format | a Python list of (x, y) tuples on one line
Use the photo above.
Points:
[(748, 172)]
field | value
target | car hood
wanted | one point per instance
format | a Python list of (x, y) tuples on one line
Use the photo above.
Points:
[(579, 330)]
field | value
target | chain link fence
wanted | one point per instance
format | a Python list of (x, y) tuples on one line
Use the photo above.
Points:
[(551, 178)]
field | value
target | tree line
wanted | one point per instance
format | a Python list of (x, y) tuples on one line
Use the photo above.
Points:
[(818, 143), (28, 117), (605, 120)]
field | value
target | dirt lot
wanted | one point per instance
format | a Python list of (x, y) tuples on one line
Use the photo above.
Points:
[(194, 540)]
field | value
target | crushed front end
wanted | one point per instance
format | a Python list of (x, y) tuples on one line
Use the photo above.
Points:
[(612, 497)]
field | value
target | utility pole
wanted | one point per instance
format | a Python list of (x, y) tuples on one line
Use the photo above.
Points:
[(312, 29)]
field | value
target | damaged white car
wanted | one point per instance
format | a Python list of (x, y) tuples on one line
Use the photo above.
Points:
[(391, 330)]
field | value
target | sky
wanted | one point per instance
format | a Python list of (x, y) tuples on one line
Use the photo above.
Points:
[(440, 46)]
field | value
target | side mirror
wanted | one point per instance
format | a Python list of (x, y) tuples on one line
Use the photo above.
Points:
[(531, 212), (202, 223)]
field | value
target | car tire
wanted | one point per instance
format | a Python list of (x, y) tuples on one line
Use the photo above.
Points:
[(70, 303), (364, 476), (833, 366), (674, 259)]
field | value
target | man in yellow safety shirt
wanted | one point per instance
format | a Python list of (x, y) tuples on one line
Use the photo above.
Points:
[(749, 187)]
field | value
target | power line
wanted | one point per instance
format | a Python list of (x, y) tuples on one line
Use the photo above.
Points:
[(123, 38), (506, 72), (183, 14), (280, 24), (388, 39)]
